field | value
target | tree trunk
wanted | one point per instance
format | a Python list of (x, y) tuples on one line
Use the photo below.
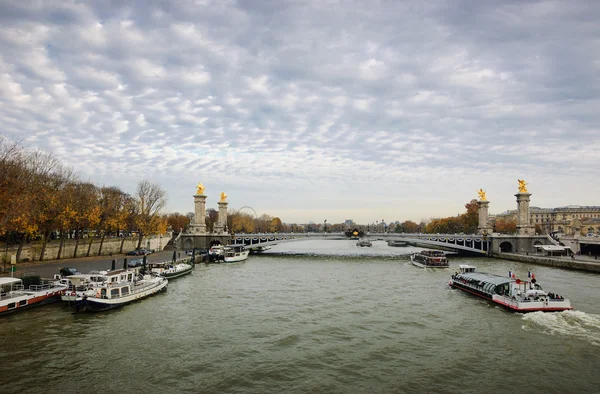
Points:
[(90, 246), (122, 243), (76, 242), (46, 236), (20, 249), (139, 245), (101, 243), (61, 245)]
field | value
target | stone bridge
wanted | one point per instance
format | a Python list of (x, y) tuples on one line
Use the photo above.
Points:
[(471, 243)]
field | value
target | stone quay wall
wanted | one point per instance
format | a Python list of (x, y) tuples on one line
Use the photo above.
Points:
[(112, 245), (552, 262)]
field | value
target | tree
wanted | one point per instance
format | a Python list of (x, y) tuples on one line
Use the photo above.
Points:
[(212, 217), (505, 226), (177, 221), (150, 200), (470, 219), (410, 227), (275, 226)]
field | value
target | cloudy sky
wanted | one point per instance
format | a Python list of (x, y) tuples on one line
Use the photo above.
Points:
[(313, 110)]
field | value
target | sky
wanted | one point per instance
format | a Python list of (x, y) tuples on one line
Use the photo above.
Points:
[(312, 110)]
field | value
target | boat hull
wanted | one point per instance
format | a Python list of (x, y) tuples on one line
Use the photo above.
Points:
[(516, 306), (31, 302), (173, 275), (420, 264), (234, 259), (93, 304)]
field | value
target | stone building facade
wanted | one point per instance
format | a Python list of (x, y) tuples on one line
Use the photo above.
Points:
[(570, 220)]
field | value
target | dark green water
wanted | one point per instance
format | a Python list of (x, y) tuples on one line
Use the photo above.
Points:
[(335, 323)]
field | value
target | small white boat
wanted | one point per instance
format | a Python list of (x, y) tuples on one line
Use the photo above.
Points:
[(364, 242), (14, 297), (169, 270), (122, 287), (235, 253), (216, 253), (429, 259), (78, 284), (511, 293)]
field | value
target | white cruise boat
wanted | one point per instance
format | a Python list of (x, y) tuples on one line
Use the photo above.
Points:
[(120, 288), (14, 297), (509, 292), (235, 253)]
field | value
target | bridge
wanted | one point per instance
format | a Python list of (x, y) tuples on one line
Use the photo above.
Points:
[(473, 243)]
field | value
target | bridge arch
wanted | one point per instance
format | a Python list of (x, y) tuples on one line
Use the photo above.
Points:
[(507, 247)]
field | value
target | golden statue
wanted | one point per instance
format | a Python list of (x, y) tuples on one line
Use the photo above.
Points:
[(199, 189), (522, 186), (223, 197), (481, 193)]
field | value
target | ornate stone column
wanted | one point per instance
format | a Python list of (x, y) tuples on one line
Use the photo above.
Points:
[(199, 226), (222, 218), (484, 227), (523, 225)]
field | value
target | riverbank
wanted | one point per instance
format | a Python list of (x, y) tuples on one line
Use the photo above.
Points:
[(580, 263)]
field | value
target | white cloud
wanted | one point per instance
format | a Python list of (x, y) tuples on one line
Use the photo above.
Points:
[(345, 105)]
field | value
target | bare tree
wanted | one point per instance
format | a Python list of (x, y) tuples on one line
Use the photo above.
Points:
[(151, 199)]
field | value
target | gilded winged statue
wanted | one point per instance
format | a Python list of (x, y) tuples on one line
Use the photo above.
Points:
[(522, 186), (200, 189), (481, 193), (223, 197)]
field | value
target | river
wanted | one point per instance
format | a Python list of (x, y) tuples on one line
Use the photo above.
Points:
[(313, 316)]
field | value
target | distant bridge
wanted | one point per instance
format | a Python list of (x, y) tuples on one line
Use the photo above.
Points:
[(479, 244)]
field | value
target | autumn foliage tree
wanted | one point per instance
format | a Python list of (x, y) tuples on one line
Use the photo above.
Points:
[(466, 223)]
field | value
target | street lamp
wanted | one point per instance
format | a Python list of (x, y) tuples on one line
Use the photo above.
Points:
[(325, 226)]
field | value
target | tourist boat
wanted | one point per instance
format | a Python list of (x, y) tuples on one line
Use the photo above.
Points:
[(235, 253), (514, 294), (170, 270), (121, 287), (364, 242), (430, 259), (14, 297)]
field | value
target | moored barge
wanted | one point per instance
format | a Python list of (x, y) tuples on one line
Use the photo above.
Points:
[(514, 294)]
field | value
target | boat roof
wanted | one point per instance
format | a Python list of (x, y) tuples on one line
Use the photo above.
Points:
[(488, 278), (8, 281)]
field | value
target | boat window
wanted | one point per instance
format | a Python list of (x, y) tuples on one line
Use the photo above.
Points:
[(114, 293), (124, 291), (22, 302), (12, 305)]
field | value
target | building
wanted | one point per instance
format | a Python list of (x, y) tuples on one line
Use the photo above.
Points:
[(570, 220)]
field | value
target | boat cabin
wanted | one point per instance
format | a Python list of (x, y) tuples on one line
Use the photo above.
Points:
[(464, 268)]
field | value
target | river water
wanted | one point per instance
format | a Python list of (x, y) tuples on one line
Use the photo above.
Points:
[(313, 316)]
